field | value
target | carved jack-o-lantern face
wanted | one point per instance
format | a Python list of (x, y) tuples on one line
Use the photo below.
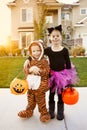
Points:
[(18, 86)]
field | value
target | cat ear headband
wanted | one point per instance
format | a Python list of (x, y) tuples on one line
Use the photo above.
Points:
[(59, 28)]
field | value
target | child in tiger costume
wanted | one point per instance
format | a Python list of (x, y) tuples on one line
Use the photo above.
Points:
[(37, 75)]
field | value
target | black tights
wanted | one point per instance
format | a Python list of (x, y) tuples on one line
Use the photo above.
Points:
[(51, 97)]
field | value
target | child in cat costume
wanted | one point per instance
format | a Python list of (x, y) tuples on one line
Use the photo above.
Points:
[(36, 68), (62, 72)]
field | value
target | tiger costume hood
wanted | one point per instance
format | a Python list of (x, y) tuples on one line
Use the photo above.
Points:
[(38, 43)]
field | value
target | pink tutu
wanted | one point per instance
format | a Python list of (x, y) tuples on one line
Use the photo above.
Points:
[(60, 79)]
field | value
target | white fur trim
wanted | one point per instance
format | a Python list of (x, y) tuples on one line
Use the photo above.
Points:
[(26, 63)]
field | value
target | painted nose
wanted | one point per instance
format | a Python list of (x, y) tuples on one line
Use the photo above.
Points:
[(55, 38)]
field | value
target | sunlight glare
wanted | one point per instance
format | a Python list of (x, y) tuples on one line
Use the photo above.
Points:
[(5, 22)]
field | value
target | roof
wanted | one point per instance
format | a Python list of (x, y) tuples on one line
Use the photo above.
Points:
[(80, 23)]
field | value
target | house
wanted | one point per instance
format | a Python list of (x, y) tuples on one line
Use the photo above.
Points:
[(72, 17), (79, 22)]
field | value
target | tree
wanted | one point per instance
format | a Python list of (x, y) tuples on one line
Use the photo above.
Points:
[(40, 24)]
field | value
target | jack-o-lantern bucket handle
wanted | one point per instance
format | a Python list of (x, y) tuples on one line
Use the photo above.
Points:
[(70, 95)]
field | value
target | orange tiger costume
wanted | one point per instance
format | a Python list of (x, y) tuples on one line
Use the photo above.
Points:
[(37, 96)]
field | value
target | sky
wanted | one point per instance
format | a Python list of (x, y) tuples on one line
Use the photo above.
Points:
[(5, 19)]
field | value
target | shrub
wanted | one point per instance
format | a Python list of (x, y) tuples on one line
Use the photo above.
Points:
[(78, 51), (16, 52), (3, 51)]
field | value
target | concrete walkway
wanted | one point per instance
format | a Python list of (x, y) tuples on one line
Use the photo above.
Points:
[(10, 105)]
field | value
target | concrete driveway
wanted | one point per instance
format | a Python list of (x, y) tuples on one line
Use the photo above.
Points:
[(10, 105)]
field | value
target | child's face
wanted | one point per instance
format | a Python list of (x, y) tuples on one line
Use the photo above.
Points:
[(56, 37), (36, 51)]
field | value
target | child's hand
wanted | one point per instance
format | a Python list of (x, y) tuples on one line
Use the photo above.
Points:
[(34, 70)]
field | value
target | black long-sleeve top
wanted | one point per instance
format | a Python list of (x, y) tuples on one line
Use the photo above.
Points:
[(58, 59)]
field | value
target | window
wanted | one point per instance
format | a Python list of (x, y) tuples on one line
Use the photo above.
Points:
[(27, 15), (27, 37), (65, 16), (83, 11), (62, 16), (49, 19)]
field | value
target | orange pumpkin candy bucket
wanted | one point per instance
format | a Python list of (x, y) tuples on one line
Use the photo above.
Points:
[(70, 96), (18, 86)]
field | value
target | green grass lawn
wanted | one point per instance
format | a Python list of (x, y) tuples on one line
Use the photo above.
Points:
[(11, 67), (81, 65)]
